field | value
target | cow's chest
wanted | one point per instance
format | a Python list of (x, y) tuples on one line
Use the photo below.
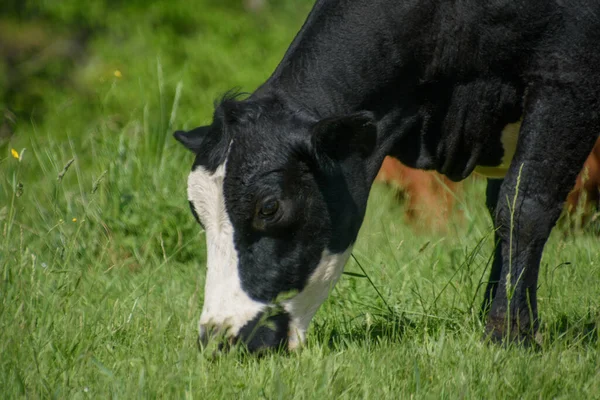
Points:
[(508, 140)]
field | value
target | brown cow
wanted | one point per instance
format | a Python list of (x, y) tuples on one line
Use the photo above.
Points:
[(584, 199), (431, 196)]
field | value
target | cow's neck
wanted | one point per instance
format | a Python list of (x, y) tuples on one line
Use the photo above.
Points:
[(347, 57)]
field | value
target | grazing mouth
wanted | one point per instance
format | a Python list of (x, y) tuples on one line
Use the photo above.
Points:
[(268, 330)]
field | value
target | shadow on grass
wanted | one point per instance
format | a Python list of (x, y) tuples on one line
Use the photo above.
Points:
[(570, 331), (375, 330), (566, 331)]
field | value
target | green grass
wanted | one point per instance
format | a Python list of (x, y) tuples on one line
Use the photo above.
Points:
[(102, 270)]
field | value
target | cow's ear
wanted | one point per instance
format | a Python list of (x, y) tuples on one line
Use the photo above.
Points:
[(193, 139), (341, 137)]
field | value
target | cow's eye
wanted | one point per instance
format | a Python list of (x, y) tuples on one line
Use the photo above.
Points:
[(269, 208)]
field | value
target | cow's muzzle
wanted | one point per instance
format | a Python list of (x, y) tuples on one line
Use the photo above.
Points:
[(268, 330)]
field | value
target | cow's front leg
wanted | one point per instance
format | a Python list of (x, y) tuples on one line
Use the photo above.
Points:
[(558, 132)]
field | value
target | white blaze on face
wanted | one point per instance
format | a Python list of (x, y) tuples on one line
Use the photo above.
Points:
[(226, 305), (305, 304)]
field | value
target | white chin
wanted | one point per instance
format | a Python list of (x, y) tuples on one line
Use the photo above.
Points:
[(305, 304)]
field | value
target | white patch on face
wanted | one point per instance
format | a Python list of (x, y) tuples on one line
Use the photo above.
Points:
[(227, 307), (508, 138), (303, 306)]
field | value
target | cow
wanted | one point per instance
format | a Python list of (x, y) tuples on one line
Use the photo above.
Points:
[(280, 180), (584, 199)]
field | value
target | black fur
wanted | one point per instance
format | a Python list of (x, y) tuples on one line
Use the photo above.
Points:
[(265, 331), (440, 78)]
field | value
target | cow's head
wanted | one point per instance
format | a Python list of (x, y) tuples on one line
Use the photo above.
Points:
[(281, 198)]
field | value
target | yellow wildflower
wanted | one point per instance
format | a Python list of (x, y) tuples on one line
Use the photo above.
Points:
[(118, 74), (14, 153), (74, 219)]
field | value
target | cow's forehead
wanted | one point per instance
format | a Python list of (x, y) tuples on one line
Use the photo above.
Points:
[(252, 156)]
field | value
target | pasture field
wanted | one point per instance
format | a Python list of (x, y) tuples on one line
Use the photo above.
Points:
[(102, 264)]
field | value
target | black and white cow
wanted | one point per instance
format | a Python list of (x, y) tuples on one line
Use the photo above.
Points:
[(281, 178)]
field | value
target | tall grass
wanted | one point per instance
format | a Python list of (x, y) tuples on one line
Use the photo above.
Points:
[(103, 266)]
